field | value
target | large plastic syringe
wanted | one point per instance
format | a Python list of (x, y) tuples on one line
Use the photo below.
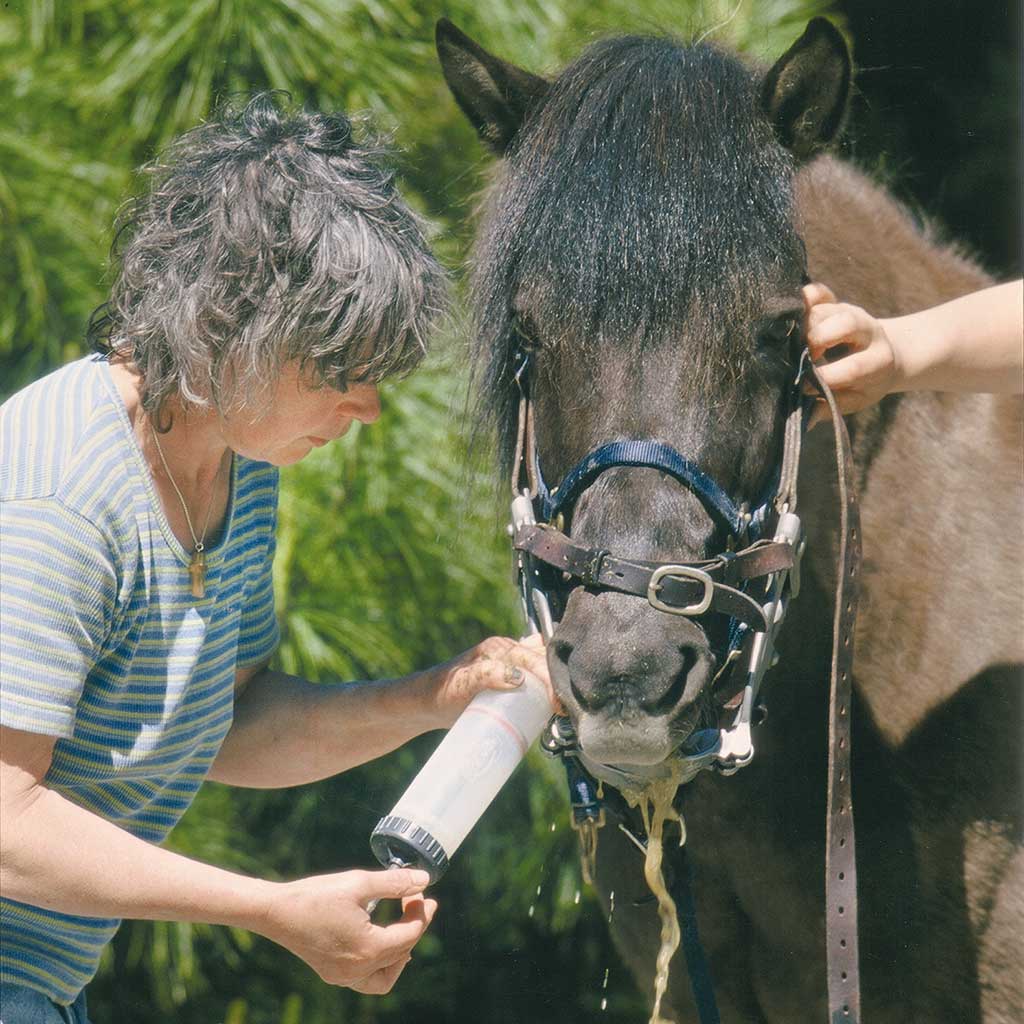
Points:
[(462, 777)]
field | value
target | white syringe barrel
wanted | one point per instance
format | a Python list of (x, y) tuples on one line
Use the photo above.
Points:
[(462, 777)]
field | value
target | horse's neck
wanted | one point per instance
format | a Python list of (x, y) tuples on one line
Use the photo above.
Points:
[(940, 475)]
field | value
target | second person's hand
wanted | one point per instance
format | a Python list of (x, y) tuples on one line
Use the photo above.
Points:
[(853, 351)]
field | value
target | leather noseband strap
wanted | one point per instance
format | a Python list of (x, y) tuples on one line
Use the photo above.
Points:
[(679, 588)]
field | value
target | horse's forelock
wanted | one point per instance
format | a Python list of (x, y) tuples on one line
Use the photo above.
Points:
[(645, 190)]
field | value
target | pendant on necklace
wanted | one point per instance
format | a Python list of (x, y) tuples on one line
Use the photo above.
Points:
[(197, 570)]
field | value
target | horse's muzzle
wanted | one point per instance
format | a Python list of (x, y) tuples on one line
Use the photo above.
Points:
[(632, 684)]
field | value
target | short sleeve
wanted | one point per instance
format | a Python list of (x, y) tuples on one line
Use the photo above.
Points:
[(258, 632), (58, 595)]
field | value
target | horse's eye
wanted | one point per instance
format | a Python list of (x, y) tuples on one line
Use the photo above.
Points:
[(526, 333), (780, 336)]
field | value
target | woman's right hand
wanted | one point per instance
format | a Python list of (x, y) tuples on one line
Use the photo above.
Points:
[(324, 920)]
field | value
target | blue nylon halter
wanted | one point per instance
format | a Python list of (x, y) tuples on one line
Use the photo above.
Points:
[(642, 454)]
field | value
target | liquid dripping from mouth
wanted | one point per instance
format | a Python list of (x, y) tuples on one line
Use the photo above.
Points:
[(655, 803)]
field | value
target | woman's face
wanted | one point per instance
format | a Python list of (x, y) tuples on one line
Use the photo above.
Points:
[(300, 417)]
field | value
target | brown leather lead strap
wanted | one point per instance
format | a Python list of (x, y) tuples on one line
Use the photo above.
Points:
[(840, 854)]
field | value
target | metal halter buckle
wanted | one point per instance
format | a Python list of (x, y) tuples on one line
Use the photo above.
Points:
[(680, 572)]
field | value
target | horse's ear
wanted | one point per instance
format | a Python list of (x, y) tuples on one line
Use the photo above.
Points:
[(496, 96), (806, 93)]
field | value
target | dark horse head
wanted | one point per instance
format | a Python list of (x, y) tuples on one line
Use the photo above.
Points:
[(640, 245)]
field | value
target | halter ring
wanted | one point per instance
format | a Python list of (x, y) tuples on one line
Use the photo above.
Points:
[(680, 572)]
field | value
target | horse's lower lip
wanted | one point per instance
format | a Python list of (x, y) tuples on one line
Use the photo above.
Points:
[(636, 740), (638, 775), (644, 740)]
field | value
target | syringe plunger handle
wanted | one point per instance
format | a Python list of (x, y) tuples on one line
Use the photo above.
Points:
[(398, 840)]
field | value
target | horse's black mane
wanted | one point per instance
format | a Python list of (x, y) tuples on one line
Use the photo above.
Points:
[(646, 184)]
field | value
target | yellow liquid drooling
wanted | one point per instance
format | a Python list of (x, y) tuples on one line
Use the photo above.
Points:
[(655, 803)]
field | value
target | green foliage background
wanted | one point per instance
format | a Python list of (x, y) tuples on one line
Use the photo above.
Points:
[(391, 556)]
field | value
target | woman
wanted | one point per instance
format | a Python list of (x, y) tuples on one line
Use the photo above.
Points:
[(269, 279)]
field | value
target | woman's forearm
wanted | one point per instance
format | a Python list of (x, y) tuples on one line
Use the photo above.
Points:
[(57, 855), (287, 731)]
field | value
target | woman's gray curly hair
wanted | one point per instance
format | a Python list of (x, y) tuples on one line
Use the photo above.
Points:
[(267, 236)]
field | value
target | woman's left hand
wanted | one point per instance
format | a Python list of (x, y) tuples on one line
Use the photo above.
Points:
[(497, 663)]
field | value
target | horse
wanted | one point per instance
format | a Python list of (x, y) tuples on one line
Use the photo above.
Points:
[(655, 209)]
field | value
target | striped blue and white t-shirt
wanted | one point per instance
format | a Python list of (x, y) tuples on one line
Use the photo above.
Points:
[(102, 643)]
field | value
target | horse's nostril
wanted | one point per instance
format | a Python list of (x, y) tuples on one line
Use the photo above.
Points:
[(561, 650), (585, 701), (689, 660), (674, 694)]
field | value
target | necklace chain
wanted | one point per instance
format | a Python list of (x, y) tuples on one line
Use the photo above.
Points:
[(197, 542), (197, 563)]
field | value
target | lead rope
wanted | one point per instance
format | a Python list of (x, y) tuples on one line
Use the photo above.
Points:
[(841, 952), (842, 958), (702, 985)]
